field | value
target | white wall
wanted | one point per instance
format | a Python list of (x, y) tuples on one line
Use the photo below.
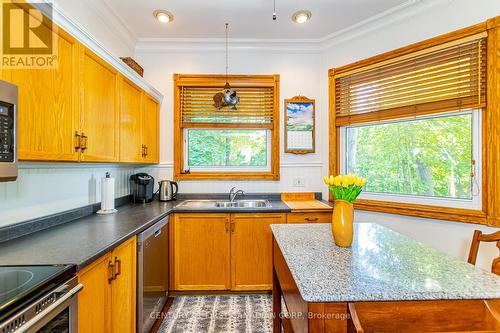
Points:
[(46, 188), (299, 75), (101, 22), (394, 32)]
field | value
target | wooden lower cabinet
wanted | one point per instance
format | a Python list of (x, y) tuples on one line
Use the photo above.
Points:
[(222, 251), (312, 217), (107, 302), (251, 251), (201, 258), (94, 301)]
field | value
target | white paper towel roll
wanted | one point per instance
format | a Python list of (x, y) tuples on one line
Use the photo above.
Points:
[(107, 195)]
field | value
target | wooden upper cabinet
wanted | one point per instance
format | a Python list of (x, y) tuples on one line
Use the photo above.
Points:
[(130, 122), (251, 250), (48, 105), (99, 84), (201, 259), (150, 129)]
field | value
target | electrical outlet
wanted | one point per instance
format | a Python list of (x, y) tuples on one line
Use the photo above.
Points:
[(299, 182)]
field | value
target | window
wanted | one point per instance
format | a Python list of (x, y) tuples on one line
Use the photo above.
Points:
[(427, 159), (217, 149), (227, 143), (411, 121)]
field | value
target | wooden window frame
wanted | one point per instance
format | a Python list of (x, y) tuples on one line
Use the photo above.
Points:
[(217, 80), (490, 212)]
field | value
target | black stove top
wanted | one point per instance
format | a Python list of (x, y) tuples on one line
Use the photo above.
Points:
[(19, 284)]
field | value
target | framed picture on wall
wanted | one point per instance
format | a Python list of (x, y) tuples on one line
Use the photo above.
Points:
[(299, 125)]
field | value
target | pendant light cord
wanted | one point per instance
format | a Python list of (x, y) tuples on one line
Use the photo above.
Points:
[(274, 10), (227, 51)]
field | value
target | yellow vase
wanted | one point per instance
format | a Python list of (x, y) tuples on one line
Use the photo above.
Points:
[(342, 223)]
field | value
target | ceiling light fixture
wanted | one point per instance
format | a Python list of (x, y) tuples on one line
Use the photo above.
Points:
[(302, 16), (163, 16)]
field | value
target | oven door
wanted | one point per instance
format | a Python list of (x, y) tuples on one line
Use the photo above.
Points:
[(57, 312)]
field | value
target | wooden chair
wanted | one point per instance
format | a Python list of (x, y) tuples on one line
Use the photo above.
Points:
[(474, 247), (450, 316)]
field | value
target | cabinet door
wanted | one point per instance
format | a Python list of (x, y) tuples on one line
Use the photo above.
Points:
[(123, 288), (150, 129), (130, 122), (48, 105), (99, 109), (251, 250), (201, 244), (94, 301)]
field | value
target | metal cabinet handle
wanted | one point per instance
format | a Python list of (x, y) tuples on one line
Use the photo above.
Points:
[(77, 141), (83, 142), (111, 270), (233, 227), (118, 265), (146, 147), (311, 219), (226, 224)]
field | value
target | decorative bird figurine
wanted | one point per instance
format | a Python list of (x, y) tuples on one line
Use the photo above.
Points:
[(227, 97)]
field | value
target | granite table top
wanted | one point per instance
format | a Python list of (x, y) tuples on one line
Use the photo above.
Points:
[(381, 265)]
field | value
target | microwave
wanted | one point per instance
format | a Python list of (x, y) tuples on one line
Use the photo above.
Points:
[(8, 131)]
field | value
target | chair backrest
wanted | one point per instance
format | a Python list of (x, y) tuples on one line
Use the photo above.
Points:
[(474, 247)]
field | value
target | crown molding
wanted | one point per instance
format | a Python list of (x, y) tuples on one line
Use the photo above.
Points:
[(399, 13), (156, 45), (72, 27), (314, 45), (107, 14)]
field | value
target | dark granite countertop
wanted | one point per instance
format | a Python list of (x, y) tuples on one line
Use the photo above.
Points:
[(84, 240)]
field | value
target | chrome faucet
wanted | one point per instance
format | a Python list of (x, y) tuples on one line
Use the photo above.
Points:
[(234, 193)]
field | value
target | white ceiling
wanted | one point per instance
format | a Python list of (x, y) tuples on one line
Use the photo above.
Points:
[(251, 19)]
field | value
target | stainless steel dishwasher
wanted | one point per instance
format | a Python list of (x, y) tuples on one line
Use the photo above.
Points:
[(152, 274)]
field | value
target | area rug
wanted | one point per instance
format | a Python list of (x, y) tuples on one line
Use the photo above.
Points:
[(219, 314)]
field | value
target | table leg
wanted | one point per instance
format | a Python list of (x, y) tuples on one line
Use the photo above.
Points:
[(276, 303)]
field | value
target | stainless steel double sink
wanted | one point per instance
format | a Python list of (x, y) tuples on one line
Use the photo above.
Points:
[(200, 204)]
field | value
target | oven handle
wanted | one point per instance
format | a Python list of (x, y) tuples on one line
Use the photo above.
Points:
[(35, 320)]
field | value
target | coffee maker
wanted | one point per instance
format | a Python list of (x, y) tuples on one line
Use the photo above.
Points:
[(142, 187)]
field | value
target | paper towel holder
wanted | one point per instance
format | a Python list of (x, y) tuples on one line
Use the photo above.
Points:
[(104, 194)]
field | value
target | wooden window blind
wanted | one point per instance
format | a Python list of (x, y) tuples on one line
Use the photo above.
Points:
[(445, 78), (256, 107)]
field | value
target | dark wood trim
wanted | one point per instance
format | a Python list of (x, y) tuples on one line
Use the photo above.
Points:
[(163, 315)]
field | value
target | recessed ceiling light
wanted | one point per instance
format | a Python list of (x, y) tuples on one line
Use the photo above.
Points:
[(302, 16), (163, 16)]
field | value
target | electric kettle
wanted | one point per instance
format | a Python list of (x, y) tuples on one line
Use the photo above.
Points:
[(167, 192)]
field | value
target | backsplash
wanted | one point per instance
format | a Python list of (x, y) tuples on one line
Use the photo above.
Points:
[(47, 188)]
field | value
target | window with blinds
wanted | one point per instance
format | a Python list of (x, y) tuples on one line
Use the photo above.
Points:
[(256, 107), (445, 78), (240, 143)]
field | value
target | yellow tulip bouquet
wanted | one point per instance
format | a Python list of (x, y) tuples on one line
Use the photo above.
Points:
[(345, 187)]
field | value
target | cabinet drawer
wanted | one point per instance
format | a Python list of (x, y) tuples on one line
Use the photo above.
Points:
[(324, 217)]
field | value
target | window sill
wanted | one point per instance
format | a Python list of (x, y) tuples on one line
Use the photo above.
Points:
[(424, 211), (227, 176)]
